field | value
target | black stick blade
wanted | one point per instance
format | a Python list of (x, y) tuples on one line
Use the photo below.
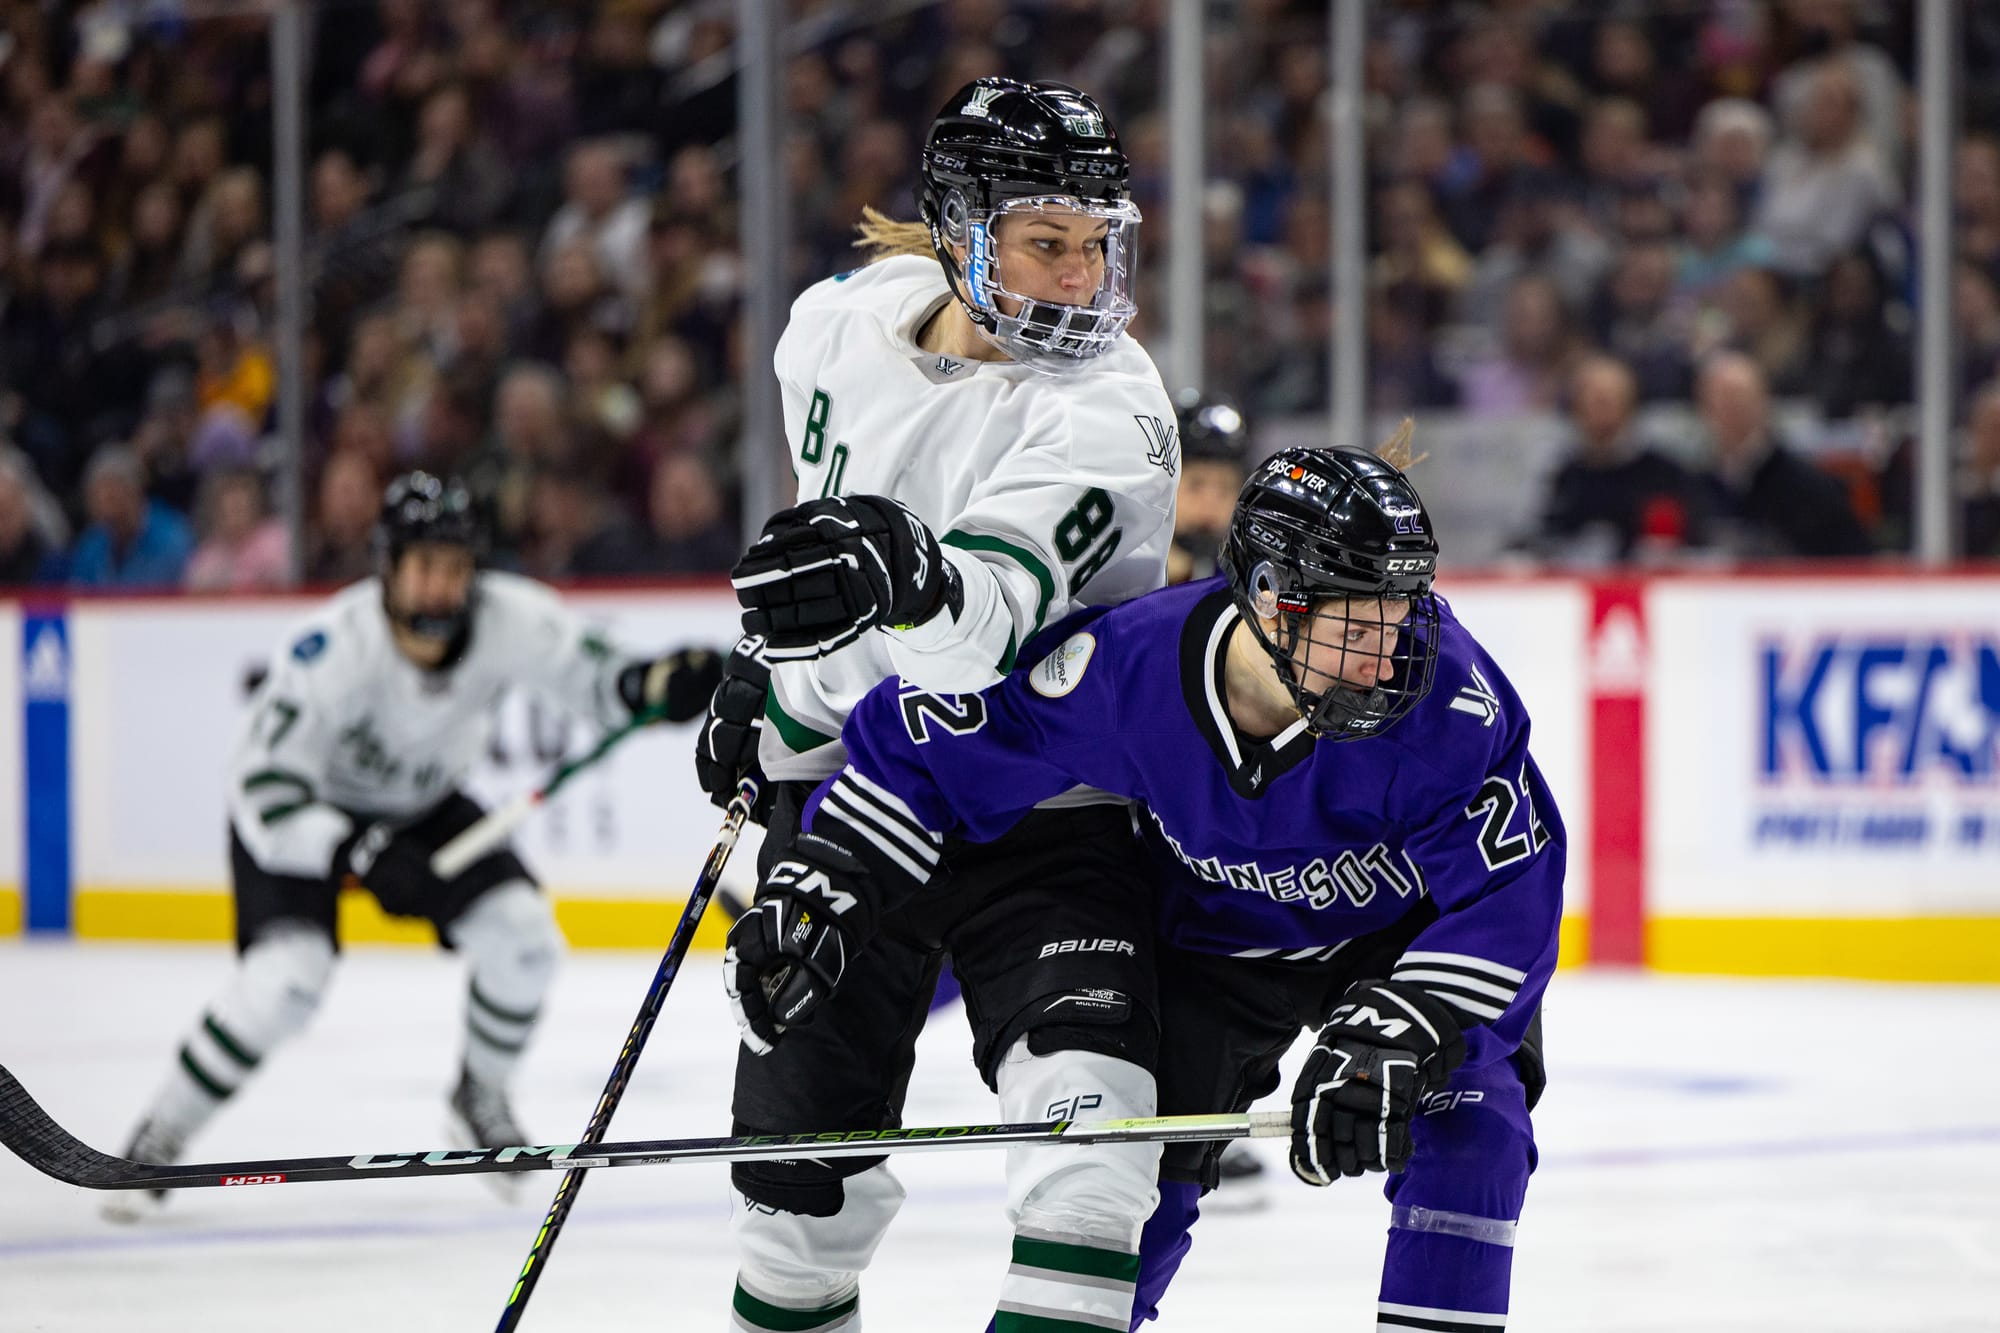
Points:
[(27, 1131)]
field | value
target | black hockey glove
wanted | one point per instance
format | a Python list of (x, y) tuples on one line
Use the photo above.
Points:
[(785, 955), (675, 686), (825, 572), (1386, 1046), (726, 750), (393, 866)]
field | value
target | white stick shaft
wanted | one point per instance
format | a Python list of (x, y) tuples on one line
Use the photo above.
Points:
[(492, 830)]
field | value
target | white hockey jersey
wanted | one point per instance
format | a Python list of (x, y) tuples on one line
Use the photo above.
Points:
[(346, 726), (1048, 492)]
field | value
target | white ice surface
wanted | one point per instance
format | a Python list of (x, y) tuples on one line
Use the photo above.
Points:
[(1716, 1155)]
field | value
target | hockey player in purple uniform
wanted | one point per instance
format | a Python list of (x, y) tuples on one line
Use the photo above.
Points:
[(1401, 893)]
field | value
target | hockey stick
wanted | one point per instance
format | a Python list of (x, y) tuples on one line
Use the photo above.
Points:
[(28, 1131), (496, 826), (628, 1057)]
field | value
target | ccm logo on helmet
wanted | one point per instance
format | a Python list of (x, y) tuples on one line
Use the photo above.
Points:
[(1409, 564)]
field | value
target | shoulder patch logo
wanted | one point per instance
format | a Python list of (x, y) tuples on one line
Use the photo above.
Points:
[(1062, 670), (1478, 699), (311, 646), (1163, 443)]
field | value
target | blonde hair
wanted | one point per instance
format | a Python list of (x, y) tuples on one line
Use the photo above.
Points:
[(1395, 451), (883, 237)]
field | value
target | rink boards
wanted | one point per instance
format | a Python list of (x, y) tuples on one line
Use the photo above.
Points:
[(1786, 775)]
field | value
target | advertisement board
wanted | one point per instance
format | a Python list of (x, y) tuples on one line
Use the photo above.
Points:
[(1822, 774)]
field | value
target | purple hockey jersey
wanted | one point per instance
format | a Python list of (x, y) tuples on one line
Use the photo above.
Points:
[(1273, 848)]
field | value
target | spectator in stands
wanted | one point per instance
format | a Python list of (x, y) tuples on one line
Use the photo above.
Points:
[(1826, 36), (1623, 63), (1826, 183), (148, 266), (598, 211), (243, 548), (1975, 314), (1860, 350), (1732, 141), (1419, 253), (1713, 246), (1482, 176), (1762, 319), (1403, 370), (1768, 499), (1638, 321), (1617, 159), (1537, 349), (1535, 234), (1975, 195), (691, 530), (350, 500), (464, 182), (1979, 478), (227, 220), (1615, 497), (26, 556), (132, 542), (574, 531)]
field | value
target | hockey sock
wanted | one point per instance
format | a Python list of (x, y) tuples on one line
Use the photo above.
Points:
[(1449, 1283), (275, 989), (509, 937), (1065, 1282), (753, 1314)]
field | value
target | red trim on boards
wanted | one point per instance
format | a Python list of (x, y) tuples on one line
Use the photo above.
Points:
[(1617, 651)]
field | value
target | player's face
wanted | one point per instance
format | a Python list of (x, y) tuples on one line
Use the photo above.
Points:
[(1050, 254), (431, 579), (1351, 643)]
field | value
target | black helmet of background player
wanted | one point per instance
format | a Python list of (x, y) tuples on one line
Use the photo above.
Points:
[(419, 509), (1213, 428), (1319, 524), (1001, 148)]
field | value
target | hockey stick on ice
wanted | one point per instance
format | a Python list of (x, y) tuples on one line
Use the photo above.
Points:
[(27, 1130), (498, 825), (628, 1056)]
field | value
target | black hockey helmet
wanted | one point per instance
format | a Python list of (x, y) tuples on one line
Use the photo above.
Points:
[(1319, 524), (1001, 146), (419, 508), (1213, 427)]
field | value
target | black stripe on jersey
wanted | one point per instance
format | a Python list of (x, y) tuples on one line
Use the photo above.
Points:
[(1253, 763), (1386, 1320)]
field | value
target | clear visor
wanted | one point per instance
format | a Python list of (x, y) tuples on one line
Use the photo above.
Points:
[(1054, 274)]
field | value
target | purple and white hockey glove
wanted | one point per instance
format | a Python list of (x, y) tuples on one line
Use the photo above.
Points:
[(1386, 1046), (785, 955), (824, 573)]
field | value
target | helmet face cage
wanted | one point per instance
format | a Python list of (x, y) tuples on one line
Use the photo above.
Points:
[(1338, 631), (1052, 336)]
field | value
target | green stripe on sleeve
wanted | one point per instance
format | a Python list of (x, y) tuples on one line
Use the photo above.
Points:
[(795, 733)]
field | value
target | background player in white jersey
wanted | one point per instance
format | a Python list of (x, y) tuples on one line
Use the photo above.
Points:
[(349, 766), (981, 449)]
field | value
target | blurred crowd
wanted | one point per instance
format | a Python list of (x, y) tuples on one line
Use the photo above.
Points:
[(523, 264)]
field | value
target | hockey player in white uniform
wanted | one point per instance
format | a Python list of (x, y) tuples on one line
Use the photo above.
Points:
[(980, 448), (349, 767)]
